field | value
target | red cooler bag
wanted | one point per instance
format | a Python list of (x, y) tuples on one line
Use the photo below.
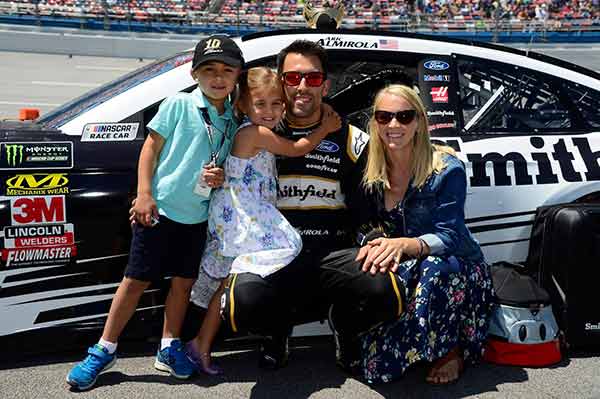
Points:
[(523, 330)]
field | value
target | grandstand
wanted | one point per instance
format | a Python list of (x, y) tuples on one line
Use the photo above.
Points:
[(404, 15)]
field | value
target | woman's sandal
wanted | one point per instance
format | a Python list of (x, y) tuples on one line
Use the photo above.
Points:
[(438, 374), (203, 362)]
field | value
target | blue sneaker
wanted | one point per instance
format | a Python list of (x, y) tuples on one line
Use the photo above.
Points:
[(174, 360), (83, 376)]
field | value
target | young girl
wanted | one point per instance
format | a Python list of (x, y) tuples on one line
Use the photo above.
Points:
[(246, 231)]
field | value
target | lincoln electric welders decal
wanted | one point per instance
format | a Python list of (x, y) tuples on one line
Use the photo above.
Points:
[(36, 155), (39, 233), (38, 244)]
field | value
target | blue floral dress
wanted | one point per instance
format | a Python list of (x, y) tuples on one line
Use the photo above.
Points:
[(246, 232), (448, 304)]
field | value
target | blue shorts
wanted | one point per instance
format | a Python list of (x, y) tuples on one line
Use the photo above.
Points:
[(169, 249)]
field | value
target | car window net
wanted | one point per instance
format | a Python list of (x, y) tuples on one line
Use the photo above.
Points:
[(500, 97)]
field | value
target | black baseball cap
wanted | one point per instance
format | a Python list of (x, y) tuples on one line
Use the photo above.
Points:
[(218, 48)]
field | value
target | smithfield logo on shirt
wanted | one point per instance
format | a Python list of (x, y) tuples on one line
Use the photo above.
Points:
[(309, 192), (436, 65), (328, 146), (303, 192)]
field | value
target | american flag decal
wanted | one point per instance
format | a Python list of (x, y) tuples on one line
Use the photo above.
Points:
[(388, 44)]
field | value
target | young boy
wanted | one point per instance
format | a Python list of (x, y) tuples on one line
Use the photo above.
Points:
[(189, 136)]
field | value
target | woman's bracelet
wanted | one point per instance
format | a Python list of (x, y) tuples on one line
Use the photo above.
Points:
[(421, 247)]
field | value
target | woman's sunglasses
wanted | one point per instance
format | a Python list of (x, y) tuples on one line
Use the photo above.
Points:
[(313, 79), (403, 117)]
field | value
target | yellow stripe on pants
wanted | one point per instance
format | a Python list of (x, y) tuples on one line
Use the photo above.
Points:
[(232, 304), (397, 291)]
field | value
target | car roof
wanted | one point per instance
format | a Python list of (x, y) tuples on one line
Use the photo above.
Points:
[(151, 84)]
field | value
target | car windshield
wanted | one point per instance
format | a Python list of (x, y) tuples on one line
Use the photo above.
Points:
[(63, 114)]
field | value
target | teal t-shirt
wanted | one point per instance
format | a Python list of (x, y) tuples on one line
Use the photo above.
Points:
[(187, 148)]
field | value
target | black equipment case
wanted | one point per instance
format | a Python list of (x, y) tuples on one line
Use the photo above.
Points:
[(564, 258)]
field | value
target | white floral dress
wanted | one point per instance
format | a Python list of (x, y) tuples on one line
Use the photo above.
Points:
[(246, 232)]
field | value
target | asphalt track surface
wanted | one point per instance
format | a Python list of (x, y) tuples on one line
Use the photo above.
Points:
[(310, 374), (45, 81)]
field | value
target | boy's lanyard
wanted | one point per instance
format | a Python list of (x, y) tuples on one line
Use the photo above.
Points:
[(214, 153)]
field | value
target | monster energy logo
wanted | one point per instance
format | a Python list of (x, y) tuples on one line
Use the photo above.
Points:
[(14, 154)]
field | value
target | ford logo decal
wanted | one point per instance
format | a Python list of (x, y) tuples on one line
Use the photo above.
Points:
[(436, 65), (328, 146)]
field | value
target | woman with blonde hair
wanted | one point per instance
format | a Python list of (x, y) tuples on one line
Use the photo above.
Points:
[(413, 193)]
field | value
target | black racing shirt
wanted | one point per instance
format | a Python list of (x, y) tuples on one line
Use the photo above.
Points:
[(314, 189)]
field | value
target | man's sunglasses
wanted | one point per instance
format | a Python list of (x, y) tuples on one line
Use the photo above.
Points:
[(313, 79), (403, 117)]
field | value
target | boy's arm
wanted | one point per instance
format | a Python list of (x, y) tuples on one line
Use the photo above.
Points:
[(145, 207)]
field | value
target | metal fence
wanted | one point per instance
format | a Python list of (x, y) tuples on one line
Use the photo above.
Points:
[(103, 15)]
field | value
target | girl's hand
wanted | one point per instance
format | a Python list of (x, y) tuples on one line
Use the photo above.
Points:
[(143, 210), (384, 254), (213, 176), (330, 120)]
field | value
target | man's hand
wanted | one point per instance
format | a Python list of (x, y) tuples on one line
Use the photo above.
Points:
[(213, 176), (143, 209)]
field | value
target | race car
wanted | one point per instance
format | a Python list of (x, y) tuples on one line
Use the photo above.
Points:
[(527, 127)]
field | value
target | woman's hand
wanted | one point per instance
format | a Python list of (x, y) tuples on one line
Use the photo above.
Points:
[(384, 254), (213, 176), (143, 209)]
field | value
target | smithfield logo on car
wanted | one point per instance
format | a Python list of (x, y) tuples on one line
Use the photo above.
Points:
[(436, 65), (328, 146), (37, 183), (592, 326)]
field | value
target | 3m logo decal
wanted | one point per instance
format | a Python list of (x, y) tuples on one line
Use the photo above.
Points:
[(36, 210), (38, 184), (14, 154), (439, 94)]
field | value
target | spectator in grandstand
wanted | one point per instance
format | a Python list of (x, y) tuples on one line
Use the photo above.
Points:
[(171, 209), (314, 192), (414, 192), (541, 13)]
